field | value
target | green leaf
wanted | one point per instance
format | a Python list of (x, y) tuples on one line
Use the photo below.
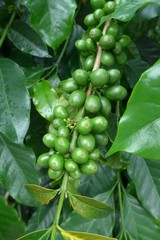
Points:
[(14, 101), (149, 49), (75, 222), (44, 99), (142, 14), (126, 9), (103, 180), (27, 40), (134, 68), (9, 222), (42, 218), (117, 161), (54, 80), (82, 236), (53, 20), (89, 207), (139, 127), (33, 75), (41, 194), (17, 169), (37, 235), (138, 222), (145, 175)]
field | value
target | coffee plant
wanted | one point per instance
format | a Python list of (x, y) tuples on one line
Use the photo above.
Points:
[(80, 120)]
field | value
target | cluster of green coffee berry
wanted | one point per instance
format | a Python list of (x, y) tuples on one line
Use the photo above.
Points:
[(74, 144), (113, 41), (90, 135)]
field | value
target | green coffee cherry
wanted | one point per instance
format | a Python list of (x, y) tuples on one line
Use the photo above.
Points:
[(77, 174), (56, 162), (84, 54), (62, 145), (109, 7), (80, 155), (57, 122), (43, 160), (68, 85), (54, 174), (98, 14), (77, 98), (89, 63), (89, 20), (101, 139), (86, 141), (85, 125), (63, 131), (113, 29), (91, 167), (92, 104), (117, 48), (105, 106), (95, 154), (99, 77), (114, 76), (81, 45), (60, 112), (121, 58), (107, 41), (70, 165), (124, 41), (81, 77), (116, 93), (49, 140), (91, 45), (100, 124), (95, 34), (97, 3), (107, 58)]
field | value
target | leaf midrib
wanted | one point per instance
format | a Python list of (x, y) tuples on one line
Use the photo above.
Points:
[(7, 102)]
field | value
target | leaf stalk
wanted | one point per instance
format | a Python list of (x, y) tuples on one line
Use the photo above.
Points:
[(63, 190), (2, 39)]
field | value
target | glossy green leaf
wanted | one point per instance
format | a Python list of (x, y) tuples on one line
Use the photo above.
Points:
[(9, 221), (37, 235), (33, 75), (41, 194), (103, 180), (89, 207), (134, 68), (15, 101), (53, 20), (139, 127), (82, 236), (125, 10), (145, 175), (44, 99), (138, 222), (142, 14), (54, 80), (75, 222), (27, 40), (17, 169), (148, 49), (42, 218), (117, 161)]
